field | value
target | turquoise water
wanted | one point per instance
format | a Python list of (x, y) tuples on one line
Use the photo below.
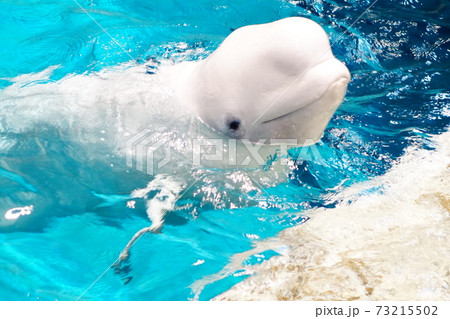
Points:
[(398, 54)]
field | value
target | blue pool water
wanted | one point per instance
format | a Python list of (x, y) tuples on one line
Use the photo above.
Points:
[(398, 55)]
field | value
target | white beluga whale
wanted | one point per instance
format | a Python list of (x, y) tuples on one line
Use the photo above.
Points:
[(264, 84)]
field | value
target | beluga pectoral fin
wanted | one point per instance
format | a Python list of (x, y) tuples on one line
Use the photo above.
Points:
[(168, 190)]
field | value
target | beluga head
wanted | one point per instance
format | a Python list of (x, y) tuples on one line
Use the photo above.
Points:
[(278, 80)]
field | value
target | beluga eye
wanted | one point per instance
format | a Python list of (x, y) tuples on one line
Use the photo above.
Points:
[(234, 125)]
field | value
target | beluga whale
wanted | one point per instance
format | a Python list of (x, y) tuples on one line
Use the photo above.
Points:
[(224, 120), (265, 85)]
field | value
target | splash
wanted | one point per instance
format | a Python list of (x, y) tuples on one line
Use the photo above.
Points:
[(15, 213), (167, 191)]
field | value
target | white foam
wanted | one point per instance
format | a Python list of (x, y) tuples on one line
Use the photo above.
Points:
[(16, 212), (392, 244)]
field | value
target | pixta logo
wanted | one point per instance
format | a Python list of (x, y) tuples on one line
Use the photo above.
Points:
[(149, 152), (146, 150)]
